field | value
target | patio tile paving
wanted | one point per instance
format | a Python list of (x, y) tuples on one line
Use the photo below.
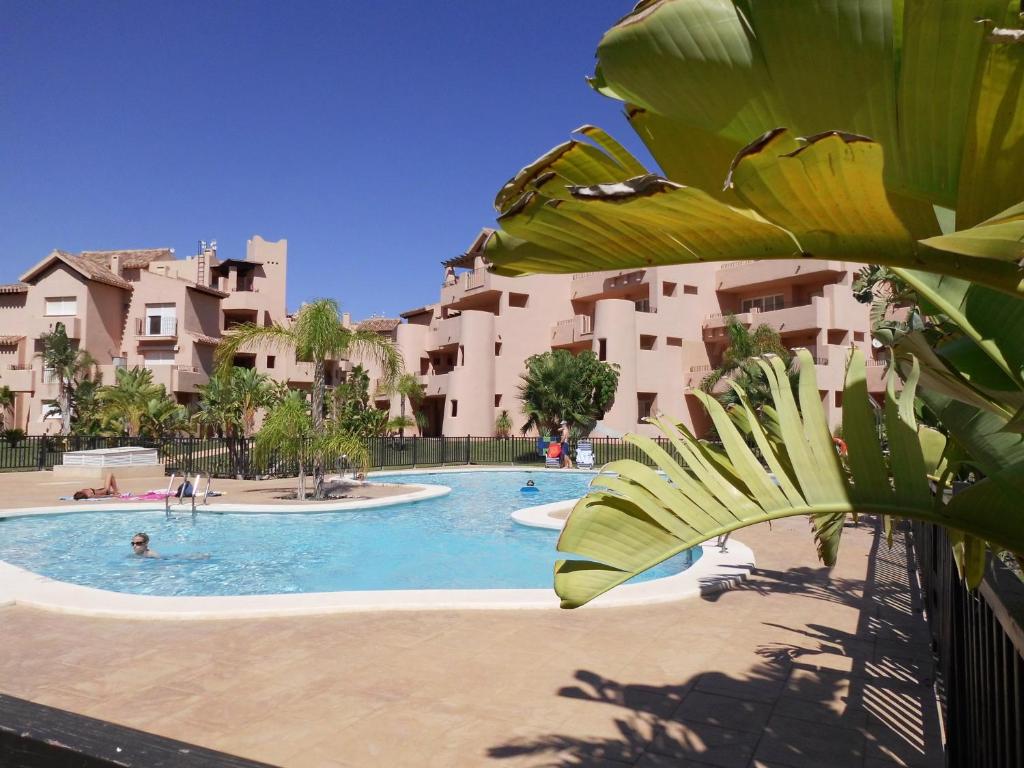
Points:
[(800, 666)]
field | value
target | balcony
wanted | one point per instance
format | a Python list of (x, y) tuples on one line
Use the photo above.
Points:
[(178, 378), (72, 325), (435, 384), (574, 330), (473, 289), (20, 377), (608, 285), (444, 333), (250, 300), (155, 328), (736, 275), (805, 317)]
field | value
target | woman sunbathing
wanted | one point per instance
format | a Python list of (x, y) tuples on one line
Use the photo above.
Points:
[(110, 489)]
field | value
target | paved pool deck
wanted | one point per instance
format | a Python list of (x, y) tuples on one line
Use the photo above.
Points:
[(801, 666)]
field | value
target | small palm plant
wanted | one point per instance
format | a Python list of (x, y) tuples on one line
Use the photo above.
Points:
[(6, 404), (503, 424)]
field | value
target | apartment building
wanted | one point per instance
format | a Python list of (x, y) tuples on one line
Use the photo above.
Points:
[(142, 308), (663, 326)]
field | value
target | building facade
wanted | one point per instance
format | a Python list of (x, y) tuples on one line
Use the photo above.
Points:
[(663, 326), (142, 308)]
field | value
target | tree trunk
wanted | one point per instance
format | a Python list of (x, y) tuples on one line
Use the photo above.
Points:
[(401, 429), (318, 425), (64, 402), (301, 492)]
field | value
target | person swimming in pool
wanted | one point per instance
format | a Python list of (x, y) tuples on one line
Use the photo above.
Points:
[(530, 483), (110, 489), (140, 546)]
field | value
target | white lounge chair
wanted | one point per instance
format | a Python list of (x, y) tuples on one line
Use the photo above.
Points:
[(584, 455)]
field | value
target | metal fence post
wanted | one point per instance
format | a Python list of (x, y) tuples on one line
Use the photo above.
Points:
[(467, 449), (415, 440)]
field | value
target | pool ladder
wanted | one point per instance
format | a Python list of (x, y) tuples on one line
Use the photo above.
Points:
[(168, 504)]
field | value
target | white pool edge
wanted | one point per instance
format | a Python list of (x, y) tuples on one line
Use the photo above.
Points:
[(714, 571)]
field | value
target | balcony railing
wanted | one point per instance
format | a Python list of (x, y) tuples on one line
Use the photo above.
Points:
[(163, 327)]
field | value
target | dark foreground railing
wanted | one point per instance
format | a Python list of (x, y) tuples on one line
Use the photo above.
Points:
[(223, 457), (36, 736), (978, 638)]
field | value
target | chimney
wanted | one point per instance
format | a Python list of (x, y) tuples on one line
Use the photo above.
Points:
[(346, 320), (115, 264)]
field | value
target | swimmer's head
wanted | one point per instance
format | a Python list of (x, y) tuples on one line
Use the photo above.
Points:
[(530, 483)]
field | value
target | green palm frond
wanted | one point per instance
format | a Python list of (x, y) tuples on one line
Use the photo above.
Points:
[(637, 518)]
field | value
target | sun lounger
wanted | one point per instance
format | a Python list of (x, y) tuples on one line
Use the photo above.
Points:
[(584, 455), (552, 459)]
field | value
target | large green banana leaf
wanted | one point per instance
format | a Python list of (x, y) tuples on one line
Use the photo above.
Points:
[(636, 517), (709, 80)]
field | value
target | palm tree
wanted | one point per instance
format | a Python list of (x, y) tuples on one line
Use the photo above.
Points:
[(252, 390), (6, 404), (315, 335), (408, 387), (126, 400), (67, 364), (739, 362), (162, 416), (560, 386)]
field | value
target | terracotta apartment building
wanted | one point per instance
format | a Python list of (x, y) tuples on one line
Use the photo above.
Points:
[(142, 308), (663, 326)]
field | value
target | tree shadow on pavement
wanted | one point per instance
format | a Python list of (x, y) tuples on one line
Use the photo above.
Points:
[(829, 698)]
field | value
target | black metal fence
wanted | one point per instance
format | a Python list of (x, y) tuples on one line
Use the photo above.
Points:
[(222, 457), (978, 638)]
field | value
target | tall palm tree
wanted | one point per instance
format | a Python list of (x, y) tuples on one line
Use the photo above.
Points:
[(408, 387), (68, 364), (315, 335), (6, 404)]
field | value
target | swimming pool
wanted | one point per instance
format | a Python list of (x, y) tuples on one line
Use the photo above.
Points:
[(465, 540)]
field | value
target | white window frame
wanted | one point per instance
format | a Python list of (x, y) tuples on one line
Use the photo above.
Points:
[(167, 315), (61, 306), (157, 357)]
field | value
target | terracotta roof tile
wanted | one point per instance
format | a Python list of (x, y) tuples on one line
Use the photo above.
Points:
[(93, 266), (379, 324), (14, 288), (8, 340), (201, 339), (133, 258)]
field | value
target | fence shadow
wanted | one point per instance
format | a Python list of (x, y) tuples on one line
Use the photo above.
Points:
[(828, 697)]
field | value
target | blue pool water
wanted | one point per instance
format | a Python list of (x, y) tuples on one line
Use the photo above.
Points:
[(464, 540)]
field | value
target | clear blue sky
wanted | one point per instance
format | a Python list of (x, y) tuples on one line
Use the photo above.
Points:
[(372, 136)]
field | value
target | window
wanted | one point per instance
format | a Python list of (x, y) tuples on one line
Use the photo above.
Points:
[(602, 349), (271, 361), (518, 299), (497, 400), (763, 303), (455, 408), (61, 305), (673, 341), (49, 411), (647, 342), (424, 366), (497, 349), (158, 357), (858, 335), (690, 290), (668, 289), (643, 305), (161, 320), (645, 405)]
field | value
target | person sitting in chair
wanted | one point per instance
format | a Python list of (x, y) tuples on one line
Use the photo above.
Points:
[(110, 489)]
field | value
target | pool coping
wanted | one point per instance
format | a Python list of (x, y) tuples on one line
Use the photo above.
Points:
[(716, 570)]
